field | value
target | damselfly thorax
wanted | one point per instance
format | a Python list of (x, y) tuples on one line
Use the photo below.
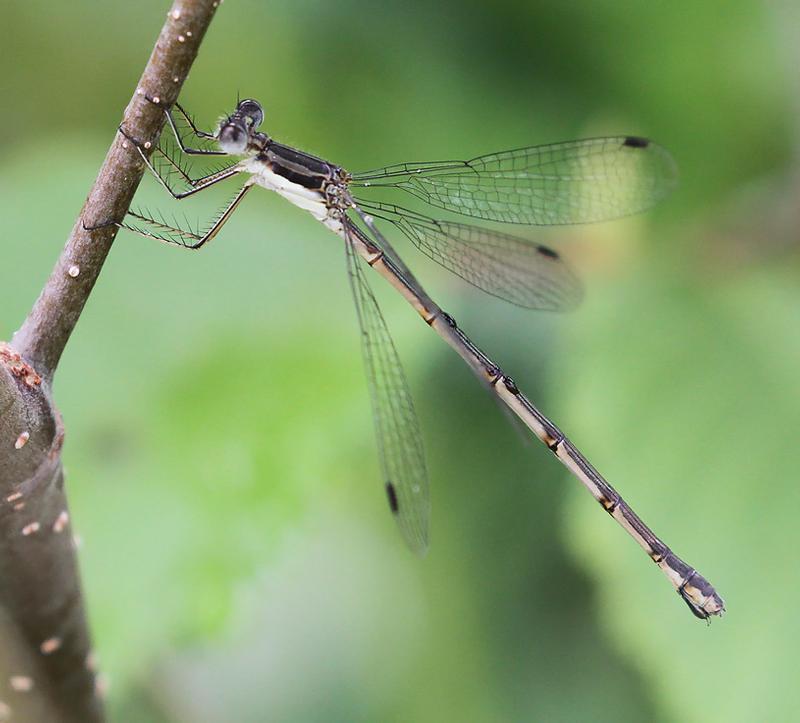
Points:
[(306, 181)]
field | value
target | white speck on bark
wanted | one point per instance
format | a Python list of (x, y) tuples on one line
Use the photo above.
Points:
[(21, 683), (50, 645), (61, 522), (74, 271), (30, 528), (101, 685), (14, 496), (22, 440), (181, 39)]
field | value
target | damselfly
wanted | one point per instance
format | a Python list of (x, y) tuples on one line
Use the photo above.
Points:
[(563, 183)]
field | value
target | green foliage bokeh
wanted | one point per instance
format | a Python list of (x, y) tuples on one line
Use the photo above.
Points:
[(237, 556)]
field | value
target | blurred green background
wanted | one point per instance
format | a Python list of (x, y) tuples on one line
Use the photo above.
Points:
[(238, 557)]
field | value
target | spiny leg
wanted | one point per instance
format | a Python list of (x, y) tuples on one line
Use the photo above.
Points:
[(172, 162), (197, 184), (189, 239), (195, 131)]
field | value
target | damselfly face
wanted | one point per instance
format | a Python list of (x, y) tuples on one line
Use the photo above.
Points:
[(238, 133)]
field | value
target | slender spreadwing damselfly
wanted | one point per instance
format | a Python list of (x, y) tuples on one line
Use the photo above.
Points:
[(563, 183)]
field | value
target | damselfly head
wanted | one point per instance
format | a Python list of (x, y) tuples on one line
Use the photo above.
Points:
[(252, 111), (239, 128)]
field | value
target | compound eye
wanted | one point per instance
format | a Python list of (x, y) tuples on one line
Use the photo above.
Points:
[(252, 111)]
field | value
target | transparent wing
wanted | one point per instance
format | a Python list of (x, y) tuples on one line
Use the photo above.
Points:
[(519, 271), (563, 183), (400, 449)]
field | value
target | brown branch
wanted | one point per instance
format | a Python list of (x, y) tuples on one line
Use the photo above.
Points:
[(45, 332), (46, 673), (46, 664)]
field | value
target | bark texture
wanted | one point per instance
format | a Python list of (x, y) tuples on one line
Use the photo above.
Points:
[(47, 671)]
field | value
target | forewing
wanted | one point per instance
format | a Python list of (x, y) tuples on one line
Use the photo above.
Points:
[(581, 181)]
